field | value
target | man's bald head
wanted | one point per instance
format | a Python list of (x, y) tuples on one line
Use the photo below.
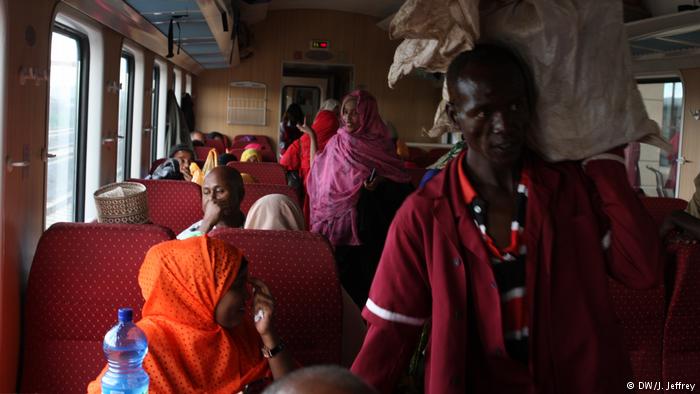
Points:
[(322, 379)]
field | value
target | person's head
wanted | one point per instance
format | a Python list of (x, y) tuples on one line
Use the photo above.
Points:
[(184, 155), (360, 114), (226, 158), (230, 309), (223, 185), (251, 155), (332, 105), (197, 136), (327, 379), (215, 135), (293, 115), (491, 101), (274, 212)]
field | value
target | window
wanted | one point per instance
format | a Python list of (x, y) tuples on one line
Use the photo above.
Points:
[(155, 103), (178, 85), (188, 84), (657, 170), (126, 103), (65, 174)]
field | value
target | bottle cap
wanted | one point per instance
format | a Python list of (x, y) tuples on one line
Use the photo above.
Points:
[(126, 315)]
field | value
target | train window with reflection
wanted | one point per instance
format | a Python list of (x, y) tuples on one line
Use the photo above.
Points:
[(65, 153), (126, 102)]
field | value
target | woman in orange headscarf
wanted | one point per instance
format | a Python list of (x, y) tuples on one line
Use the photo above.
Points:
[(200, 337)]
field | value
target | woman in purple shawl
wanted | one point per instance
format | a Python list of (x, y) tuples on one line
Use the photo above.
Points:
[(353, 212)]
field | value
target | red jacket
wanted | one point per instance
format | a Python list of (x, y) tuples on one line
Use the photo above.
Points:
[(435, 266)]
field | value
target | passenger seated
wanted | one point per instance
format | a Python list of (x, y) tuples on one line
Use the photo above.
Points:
[(275, 212), (251, 156), (197, 136), (200, 336), (185, 156), (346, 206), (279, 212), (222, 193), (326, 379), (508, 256), (226, 158), (215, 135)]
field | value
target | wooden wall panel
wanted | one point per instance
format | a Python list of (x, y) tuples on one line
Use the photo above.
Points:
[(23, 199), (691, 132), (355, 40)]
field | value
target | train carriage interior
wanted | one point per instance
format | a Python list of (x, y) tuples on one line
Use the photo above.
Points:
[(96, 93)]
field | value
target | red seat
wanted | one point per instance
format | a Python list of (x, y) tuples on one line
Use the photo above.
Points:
[(272, 173), (299, 268), (81, 274), (641, 314), (253, 191), (660, 207), (155, 165), (681, 342), (201, 152), (173, 204), (216, 144)]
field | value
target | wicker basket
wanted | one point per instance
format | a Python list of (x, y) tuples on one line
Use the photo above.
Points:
[(129, 205)]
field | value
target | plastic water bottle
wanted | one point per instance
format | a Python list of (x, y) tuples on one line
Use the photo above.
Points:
[(125, 347)]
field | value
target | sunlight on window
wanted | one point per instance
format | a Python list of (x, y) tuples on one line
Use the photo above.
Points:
[(63, 129), (123, 117)]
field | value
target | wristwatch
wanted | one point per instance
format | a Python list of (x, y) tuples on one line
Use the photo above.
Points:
[(269, 353)]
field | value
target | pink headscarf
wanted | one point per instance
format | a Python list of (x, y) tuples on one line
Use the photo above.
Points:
[(339, 171)]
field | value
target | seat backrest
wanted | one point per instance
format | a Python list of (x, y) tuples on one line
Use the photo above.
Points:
[(271, 173), (220, 146), (641, 314), (660, 207), (155, 164), (253, 191), (81, 274), (299, 268), (173, 204), (681, 343), (201, 152)]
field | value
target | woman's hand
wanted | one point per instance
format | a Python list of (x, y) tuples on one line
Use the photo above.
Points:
[(304, 128), (263, 310), (371, 186), (186, 173)]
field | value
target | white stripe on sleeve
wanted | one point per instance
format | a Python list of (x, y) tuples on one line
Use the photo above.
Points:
[(392, 316)]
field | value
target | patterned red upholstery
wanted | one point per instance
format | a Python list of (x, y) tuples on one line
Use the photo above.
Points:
[(271, 173), (681, 342), (201, 152), (81, 274), (641, 314), (660, 207), (216, 144), (267, 154), (300, 269), (173, 204), (253, 191)]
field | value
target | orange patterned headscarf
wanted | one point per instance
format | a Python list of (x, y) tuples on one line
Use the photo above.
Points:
[(188, 351)]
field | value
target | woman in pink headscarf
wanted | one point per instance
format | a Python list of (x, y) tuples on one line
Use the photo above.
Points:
[(355, 186)]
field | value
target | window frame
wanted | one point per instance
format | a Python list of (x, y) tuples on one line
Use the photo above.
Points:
[(155, 110), (82, 120), (131, 69)]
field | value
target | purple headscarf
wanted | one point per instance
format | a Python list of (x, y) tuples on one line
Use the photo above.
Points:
[(339, 171)]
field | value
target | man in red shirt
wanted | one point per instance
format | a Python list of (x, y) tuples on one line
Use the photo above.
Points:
[(508, 256)]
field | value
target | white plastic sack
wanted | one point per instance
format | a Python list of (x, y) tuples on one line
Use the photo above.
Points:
[(588, 101)]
